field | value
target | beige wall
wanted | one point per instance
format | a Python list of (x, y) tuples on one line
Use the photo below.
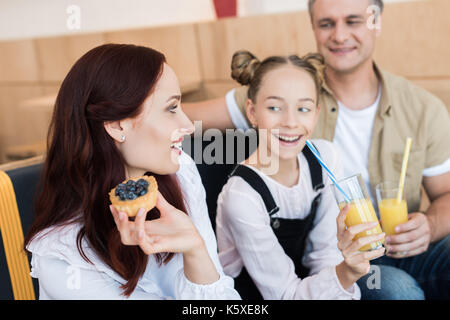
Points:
[(414, 43)]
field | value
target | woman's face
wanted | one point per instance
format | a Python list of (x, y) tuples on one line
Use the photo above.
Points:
[(153, 139), (287, 110)]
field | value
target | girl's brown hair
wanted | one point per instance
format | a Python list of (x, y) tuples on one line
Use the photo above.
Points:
[(248, 70), (83, 164)]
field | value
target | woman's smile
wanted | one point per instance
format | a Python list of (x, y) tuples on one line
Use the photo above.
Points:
[(176, 146)]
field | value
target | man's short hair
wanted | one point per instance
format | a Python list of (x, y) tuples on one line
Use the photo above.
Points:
[(378, 3)]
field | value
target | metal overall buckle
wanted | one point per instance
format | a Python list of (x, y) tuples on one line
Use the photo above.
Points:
[(275, 223)]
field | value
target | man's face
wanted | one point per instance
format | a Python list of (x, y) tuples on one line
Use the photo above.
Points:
[(342, 33)]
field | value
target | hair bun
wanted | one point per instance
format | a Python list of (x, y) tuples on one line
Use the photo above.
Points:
[(243, 66), (318, 62)]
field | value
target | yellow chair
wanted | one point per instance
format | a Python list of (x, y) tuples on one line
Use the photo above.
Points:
[(18, 182)]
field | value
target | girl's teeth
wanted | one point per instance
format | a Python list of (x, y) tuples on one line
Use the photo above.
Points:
[(289, 139)]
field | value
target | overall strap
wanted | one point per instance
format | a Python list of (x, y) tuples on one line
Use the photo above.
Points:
[(314, 168), (258, 184)]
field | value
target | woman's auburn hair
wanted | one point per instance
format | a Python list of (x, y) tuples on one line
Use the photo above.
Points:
[(108, 83)]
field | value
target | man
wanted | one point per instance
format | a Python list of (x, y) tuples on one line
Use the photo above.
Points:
[(369, 113)]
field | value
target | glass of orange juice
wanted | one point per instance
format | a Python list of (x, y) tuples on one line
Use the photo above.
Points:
[(361, 208), (392, 211)]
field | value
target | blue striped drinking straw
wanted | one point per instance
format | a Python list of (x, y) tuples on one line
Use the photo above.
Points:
[(330, 174)]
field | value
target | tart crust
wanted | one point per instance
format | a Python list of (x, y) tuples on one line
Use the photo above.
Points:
[(131, 207)]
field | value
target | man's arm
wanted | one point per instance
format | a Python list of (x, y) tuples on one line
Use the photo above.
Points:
[(213, 113), (438, 214)]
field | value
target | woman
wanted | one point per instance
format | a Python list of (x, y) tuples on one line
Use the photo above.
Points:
[(117, 116), (276, 217)]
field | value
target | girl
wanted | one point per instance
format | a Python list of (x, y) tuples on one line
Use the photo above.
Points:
[(117, 116), (276, 217)]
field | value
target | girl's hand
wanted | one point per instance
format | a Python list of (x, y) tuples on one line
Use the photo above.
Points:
[(356, 263)]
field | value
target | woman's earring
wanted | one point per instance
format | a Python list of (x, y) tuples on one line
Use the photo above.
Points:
[(122, 138)]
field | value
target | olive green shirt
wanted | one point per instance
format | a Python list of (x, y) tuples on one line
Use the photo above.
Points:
[(405, 110)]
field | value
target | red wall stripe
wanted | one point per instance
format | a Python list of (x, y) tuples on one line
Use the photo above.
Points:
[(225, 8)]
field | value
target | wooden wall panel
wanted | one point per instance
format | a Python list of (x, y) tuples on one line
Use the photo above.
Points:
[(280, 34), (14, 126), (210, 90), (219, 88), (414, 40), (439, 87), (18, 61), (56, 55), (23, 126), (10, 113), (178, 43)]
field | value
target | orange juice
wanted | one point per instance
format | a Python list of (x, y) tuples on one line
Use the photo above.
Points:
[(362, 211), (392, 213)]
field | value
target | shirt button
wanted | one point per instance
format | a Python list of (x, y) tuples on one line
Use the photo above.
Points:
[(333, 109)]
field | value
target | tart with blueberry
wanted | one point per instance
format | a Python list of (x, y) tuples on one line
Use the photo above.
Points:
[(133, 194)]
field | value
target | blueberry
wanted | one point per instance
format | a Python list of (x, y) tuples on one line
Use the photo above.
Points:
[(139, 189), (131, 196), (122, 197), (130, 183), (142, 182), (131, 189), (143, 192)]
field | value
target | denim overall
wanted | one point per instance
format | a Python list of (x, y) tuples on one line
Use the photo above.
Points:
[(291, 233)]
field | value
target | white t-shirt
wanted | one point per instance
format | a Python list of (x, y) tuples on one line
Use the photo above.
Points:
[(352, 136), (245, 237), (64, 274)]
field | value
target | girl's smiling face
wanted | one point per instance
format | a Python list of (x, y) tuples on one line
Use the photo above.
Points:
[(286, 108), (153, 139)]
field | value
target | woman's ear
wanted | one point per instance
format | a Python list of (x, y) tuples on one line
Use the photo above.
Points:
[(115, 130), (250, 110)]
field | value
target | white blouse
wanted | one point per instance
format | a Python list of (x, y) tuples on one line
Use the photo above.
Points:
[(64, 274), (245, 236)]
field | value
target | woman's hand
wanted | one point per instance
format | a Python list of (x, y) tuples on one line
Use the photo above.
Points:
[(356, 264), (172, 232)]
